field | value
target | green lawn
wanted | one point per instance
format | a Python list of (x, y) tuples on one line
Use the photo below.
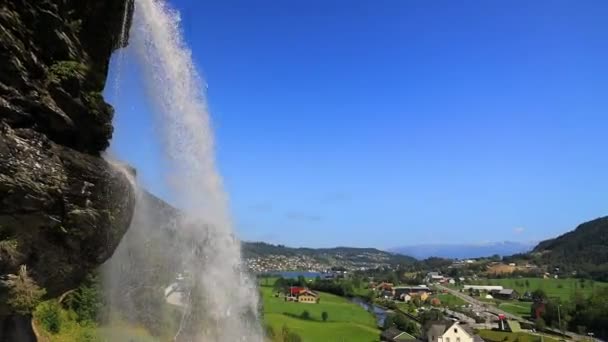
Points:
[(346, 321), (450, 300), (562, 288), (499, 336), (516, 307)]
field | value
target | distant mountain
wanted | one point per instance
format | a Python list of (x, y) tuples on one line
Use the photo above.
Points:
[(464, 251), (351, 254), (583, 250)]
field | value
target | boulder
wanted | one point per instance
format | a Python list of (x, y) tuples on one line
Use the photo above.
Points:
[(63, 208)]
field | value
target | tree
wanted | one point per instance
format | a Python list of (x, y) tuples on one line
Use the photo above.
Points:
[(23, 292), (324, 316), (539, 295), (540, 324), (527, 283), (305, 314)]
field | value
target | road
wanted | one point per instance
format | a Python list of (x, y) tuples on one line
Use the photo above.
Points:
[(481, 306)]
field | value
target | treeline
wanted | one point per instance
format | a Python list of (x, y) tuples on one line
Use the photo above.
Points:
[(582, 252), (579, 314), (341, 287)]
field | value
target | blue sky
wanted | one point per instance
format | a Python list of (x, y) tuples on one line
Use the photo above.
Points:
[(389, 123)]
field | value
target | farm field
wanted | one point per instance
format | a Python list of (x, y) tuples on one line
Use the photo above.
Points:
[(450, 300), (561, 288), (346, 321), (502, 336), (516, 307)]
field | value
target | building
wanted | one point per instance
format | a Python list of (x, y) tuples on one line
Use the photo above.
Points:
[(448, 332), (393, 334), (433, 277), (308, 296), (506, 294), (384, 286), (487, 288), (420, 291)]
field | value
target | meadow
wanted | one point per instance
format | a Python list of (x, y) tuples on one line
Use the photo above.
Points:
[(502, 336), (556, 288), (346, 321)]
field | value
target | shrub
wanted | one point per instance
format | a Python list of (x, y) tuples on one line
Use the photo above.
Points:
[(63, 70), (269, 331), (293, 337), (324, 316), (23, 292), (49, 315), (305, 314)]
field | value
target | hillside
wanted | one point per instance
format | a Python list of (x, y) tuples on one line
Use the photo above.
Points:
[(310, 258), (583, 250)]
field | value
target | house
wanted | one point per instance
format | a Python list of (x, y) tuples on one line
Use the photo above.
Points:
[(487, 288), (422, 295), (384, 286), (505, 294), (308, 296), (433, 277), (399, 290), (393, 334), (448, 332), (421, 291), (452, 281)]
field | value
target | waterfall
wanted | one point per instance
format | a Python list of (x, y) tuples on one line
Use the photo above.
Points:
[(218, 301)]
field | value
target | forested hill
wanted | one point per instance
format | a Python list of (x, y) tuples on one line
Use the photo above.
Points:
[(262, 249), (584, 250)]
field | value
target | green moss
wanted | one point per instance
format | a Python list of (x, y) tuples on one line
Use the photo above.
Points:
[(75, 25), (93, 98), (64, 70)]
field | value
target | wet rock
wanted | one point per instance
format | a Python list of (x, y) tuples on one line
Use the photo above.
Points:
[(63, 208)]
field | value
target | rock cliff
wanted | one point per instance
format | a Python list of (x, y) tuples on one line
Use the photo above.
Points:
[(63, 208)]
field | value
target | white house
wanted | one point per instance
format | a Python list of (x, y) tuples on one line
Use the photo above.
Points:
[(442, 332), (487, 288)]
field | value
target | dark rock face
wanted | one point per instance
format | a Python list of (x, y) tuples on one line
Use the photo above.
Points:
[(63, 209)]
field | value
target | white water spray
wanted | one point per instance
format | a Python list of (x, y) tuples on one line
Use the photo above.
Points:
[(220, 297)]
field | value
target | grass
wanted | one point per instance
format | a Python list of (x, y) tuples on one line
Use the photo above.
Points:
[(312, 331), (502, 336), (516, 307), (450, 300), (558, 288), (70, 330), (346, 322)]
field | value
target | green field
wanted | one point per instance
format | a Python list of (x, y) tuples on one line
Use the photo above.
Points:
[(501, 336), (450, 300), (346, 322), (516, 307), (561, 288)]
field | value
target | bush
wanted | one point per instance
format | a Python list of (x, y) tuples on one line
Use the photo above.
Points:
[(324, 316), (293, 337), (305, 314), (49, 315), (86, 301), (269, 332), (23, 292)]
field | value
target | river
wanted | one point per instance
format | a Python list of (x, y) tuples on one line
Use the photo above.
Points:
[(378, 312)]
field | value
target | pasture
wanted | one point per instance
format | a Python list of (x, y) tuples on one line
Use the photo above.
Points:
[(557, 288), (346, 321)]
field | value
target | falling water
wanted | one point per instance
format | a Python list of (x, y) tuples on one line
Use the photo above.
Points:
[(218, 299)]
